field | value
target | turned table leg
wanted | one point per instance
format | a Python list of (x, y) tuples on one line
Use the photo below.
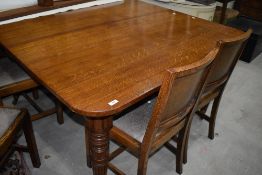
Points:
[(98, 143)]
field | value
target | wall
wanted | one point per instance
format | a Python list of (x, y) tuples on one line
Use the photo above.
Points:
[(12, 4)]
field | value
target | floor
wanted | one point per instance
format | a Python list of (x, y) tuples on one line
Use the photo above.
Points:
[(236, 149)]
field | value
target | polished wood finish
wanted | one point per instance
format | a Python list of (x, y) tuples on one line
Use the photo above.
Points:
[(172, 113), (89, 57), (115, 28), (22, 122), (43, 6), (250, 8)]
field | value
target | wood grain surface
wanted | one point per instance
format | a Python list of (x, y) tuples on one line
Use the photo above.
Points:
[(90, 57)]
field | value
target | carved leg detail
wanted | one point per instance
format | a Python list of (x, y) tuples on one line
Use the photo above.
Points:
[(98, 135)]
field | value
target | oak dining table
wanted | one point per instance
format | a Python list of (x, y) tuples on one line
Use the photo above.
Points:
[(101, 60)]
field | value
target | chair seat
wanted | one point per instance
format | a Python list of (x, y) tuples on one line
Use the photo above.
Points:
[(134, 123), (10, 72), (7, 116)]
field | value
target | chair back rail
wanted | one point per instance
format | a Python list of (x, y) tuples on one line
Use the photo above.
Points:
[(224, 63)]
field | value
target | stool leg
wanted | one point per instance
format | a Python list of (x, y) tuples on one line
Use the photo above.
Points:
[(30, 139)]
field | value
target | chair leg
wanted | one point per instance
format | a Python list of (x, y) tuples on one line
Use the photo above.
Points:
[(142, 165), (186, 138), (30, 139), (16, 98), (213, 116), (185, 148), (88, 153), (143, 159), (59, 113), (181, 142), (35, 93)]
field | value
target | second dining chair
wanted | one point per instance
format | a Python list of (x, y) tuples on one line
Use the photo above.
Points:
[(229, 52), (172, 112), (224, 64)]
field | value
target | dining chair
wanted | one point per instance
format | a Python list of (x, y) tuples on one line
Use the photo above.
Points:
[(142, 134), (229, 52), (14, 81), (14, 120), (223, 66)]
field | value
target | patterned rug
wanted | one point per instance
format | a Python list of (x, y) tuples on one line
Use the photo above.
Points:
[(15, 165)]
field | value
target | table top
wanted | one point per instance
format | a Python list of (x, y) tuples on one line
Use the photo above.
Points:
[(113, 53)]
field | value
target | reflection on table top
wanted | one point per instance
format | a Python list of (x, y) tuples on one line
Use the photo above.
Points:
[(91, 57)]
